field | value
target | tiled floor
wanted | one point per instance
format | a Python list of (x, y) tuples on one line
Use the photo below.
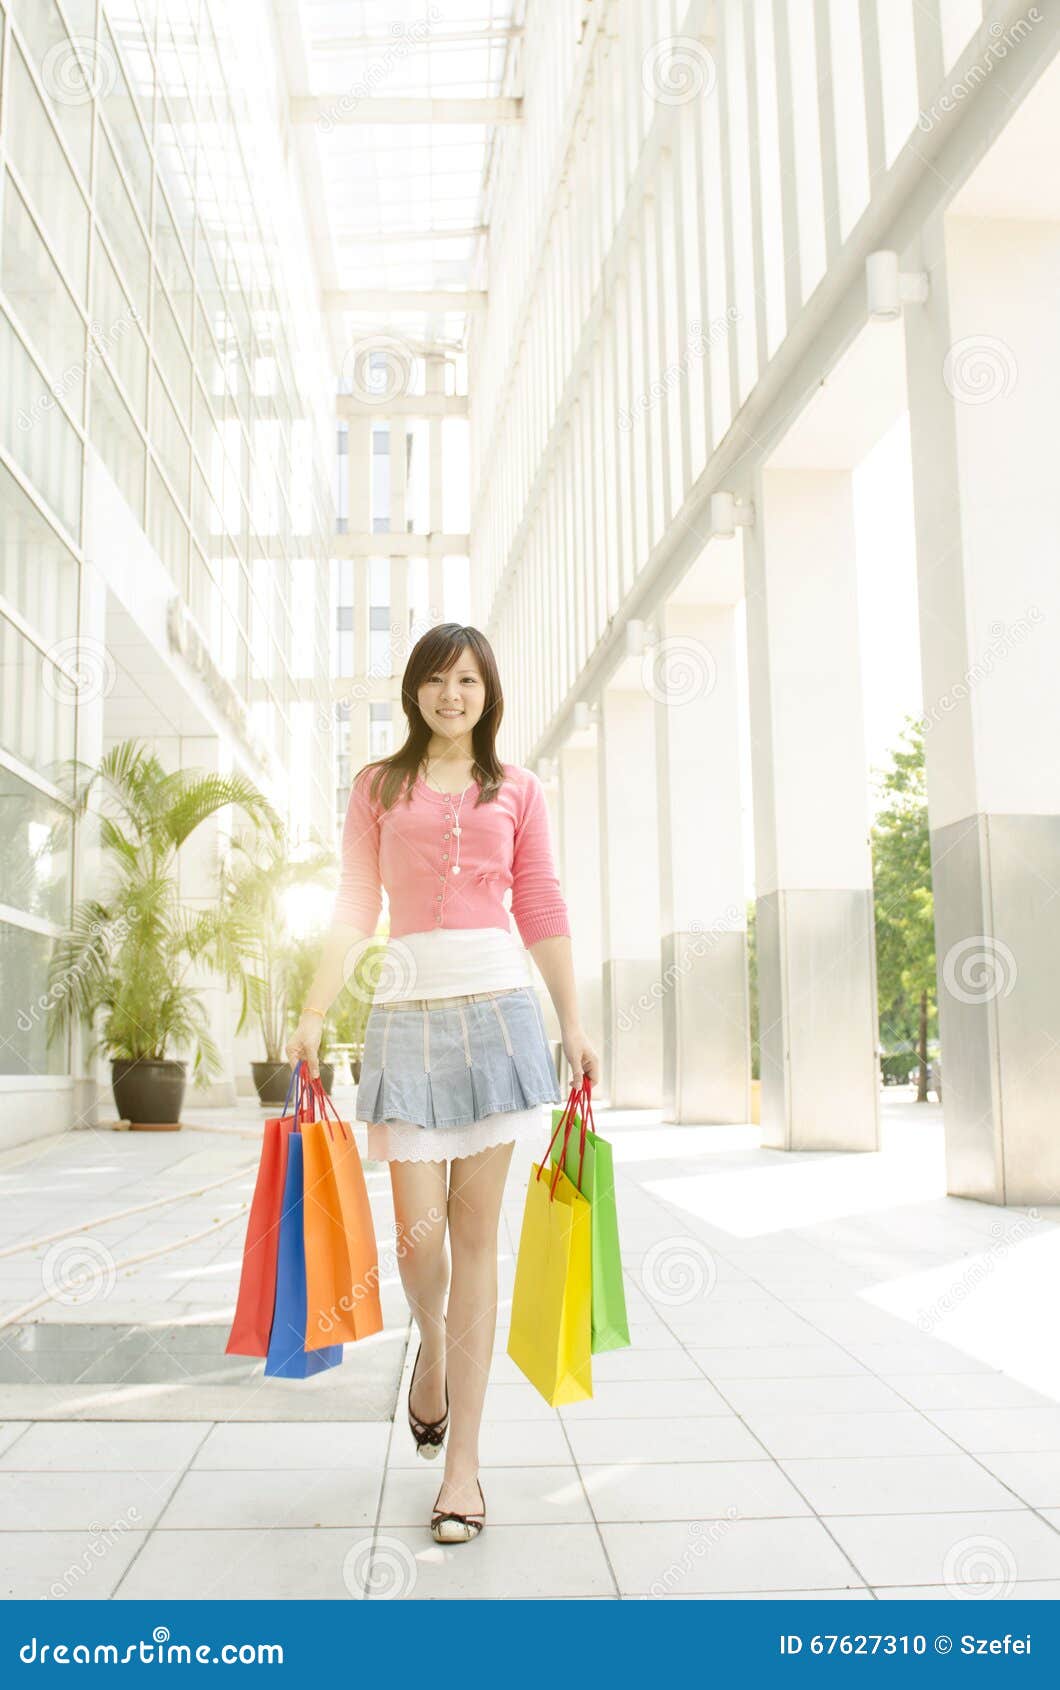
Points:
[(841, 1383)]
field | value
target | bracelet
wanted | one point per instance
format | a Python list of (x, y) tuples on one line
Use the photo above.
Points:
[(310, 1009)]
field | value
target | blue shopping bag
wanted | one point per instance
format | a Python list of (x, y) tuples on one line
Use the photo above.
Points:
[(288, 1357)]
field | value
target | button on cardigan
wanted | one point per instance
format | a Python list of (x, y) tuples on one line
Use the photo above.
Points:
[(409, 851)]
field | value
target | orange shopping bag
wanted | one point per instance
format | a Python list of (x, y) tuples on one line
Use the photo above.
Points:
[(341, 1257)]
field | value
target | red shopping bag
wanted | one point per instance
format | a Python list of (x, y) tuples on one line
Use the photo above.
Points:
[(256, 1301)]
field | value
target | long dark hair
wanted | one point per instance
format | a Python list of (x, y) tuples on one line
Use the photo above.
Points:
[(435, 652)]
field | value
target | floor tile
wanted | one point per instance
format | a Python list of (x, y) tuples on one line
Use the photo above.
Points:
[(301, 1497), (898, 1484), (504, 1563), (792, 1361), (243, 1565), (709, 1438), (502, 1443), (80, 1446), (629, 1399), (707, 1490), (66, 1566), (292, 1445), (1001, 1429), (724, 1555), (1035, 1478), (848, 1434), (843, 1394), (971, 1554)]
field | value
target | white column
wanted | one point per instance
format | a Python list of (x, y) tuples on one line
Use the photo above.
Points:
[(691, 671), (578, 834), (197, 864), (984, 375), (814, 914), (629, 856)]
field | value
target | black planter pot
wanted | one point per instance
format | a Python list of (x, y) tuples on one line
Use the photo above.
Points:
[(149, 1095), (272, 1080)]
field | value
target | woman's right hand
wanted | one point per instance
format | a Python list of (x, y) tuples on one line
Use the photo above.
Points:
[(304, 1044)]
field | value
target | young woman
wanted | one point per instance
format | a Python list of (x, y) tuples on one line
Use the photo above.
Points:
[(456, 1061)]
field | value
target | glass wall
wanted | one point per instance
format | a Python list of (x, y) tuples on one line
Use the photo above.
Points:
[(154, 273)]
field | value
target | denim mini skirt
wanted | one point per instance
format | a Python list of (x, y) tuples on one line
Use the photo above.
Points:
[(445, 1064)]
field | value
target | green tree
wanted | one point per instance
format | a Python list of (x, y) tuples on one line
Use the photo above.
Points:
[(904, 906)]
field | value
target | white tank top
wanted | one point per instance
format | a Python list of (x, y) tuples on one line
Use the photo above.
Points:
[(445, 962)]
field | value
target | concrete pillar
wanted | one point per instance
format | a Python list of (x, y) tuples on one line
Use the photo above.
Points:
[(629, 856), (984, 374), (691, 672), (578, 856), (813, 872), (198, 863)]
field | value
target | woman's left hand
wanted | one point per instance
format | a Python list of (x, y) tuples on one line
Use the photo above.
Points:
[(581, 1057)]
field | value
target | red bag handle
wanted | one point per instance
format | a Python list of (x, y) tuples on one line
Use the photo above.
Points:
[(325, 1103), (301, 1086), (578, 1095)]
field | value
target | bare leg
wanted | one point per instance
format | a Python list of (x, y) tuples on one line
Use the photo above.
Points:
[(420, 1201), (476, 1187)]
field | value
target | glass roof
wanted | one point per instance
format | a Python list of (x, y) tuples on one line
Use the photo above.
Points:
[(405, 200)]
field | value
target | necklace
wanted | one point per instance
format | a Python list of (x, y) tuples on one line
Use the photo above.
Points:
[(457, 829)]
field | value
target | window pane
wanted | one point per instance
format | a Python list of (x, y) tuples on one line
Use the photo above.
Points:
[(117, 439), (35, 432), (53, 192), (120, 334), (119, 220), (24, 1048), (34, 851), (36, 290), (66, 76), (37, 707), (37, 573)]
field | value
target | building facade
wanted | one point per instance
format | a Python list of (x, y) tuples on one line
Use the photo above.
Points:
[(166, 451)]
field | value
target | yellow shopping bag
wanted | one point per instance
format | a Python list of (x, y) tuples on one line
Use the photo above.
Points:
[(551, 1324)]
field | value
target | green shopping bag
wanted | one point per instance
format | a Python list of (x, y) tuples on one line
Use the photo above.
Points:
[(586, 1159)]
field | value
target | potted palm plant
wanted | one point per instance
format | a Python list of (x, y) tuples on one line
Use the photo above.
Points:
[(259, 872), (123, 968)]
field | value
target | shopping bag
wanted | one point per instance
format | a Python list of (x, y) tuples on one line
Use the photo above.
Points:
[(288, 1357), (550, 1330), (341, 1258), (586, 1159), (252, 1321)]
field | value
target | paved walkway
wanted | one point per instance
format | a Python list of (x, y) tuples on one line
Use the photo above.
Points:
[(842, 1383)]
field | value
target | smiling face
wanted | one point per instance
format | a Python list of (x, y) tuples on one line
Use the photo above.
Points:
[(452, 702)]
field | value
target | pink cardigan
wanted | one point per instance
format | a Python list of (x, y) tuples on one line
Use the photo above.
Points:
[(409, 850)]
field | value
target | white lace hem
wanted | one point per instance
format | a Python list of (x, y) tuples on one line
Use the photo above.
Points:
[(405, 1141)]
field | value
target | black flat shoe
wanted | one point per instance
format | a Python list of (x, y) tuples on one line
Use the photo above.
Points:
[(429, 1434), (449, 1527)]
